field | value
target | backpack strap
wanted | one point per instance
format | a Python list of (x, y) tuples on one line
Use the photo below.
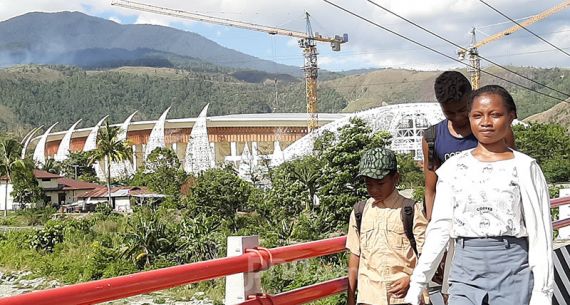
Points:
[(429, 136), (358, 213), (407, 215)]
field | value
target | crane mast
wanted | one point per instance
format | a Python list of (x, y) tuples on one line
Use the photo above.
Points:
[(473, 52), (311, 74), (307, 41)]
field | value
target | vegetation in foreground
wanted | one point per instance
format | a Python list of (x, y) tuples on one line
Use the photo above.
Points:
[(192, 225)]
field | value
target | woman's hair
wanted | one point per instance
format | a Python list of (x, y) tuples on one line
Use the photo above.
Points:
[(497, 90), (451, 86)]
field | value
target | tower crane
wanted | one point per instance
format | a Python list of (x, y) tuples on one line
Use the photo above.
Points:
[(473, 52), (307, 41)]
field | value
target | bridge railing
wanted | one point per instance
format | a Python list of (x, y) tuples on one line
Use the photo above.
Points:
[(252, 261), (145, 282), (558, 202)]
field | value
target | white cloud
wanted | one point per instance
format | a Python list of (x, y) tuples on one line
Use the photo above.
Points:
[(147, 20), (115, 19)]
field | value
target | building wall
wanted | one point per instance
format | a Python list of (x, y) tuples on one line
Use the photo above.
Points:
[(222, 137), (70, 196), (122, 204), (48, 183), (10, 204)]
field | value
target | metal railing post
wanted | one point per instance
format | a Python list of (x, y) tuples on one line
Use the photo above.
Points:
[(239, 286)]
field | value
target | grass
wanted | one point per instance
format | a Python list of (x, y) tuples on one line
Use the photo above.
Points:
[(91, 250)]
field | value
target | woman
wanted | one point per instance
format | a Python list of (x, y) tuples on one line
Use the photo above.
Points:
[(494, 203)]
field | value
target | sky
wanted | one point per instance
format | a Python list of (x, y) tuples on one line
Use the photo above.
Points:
[(368, 45)]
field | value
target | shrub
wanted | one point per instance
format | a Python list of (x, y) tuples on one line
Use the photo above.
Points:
[(46, 238)]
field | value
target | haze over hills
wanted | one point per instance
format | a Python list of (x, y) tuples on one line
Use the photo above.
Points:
[(77, 39)]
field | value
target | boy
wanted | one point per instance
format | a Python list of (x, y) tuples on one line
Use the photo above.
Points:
[(382, 258)]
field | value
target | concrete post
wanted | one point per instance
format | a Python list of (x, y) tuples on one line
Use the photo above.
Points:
[(240, 286), (564, 213)]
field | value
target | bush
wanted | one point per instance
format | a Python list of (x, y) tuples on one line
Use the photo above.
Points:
[(46, 238), (36, 216), (294, 275)]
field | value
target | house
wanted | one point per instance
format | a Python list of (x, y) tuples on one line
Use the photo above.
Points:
[(5, 191), (58, 190), (122, 197)]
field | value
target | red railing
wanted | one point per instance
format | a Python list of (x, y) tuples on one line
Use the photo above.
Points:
[(149, 281), (557, 202), (302, 295), (254, 260)]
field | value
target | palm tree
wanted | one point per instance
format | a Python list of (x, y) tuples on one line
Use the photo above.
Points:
[(110, 149), (10, 161), (307, 171), (52, 166)]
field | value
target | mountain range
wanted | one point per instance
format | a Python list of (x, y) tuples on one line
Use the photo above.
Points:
[(78, 39), (68, 65)]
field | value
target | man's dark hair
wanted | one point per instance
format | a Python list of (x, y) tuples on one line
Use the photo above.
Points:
[(451, 86), (497, 90)]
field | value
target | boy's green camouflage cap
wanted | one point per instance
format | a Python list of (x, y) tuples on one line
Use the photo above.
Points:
[(377, 163)]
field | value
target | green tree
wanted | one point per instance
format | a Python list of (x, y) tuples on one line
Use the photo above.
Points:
[(200, 238), (148, 238), (25, 186), (279, 207), (340, 156), (306, 171), (110, 149), (411, 174), (162, 172), (222, 193), (10, 162), (77, 166), (51, 166), (549, 144)]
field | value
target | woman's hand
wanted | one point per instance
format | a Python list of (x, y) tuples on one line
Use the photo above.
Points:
[(414, 295)]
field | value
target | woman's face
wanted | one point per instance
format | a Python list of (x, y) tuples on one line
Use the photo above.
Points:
[(490, 119)]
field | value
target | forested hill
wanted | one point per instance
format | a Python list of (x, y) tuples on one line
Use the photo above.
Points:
[(389, 86), (74, 38), (559, 114), (33, 95)]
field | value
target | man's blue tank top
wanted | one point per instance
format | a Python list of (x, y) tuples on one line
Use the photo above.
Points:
[(446, 145)]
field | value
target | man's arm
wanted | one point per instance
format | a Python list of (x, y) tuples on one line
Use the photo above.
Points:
[(353, 246), (430, 180), (353, 262)]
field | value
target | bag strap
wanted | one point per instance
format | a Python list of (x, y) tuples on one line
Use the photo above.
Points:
[(407, 215), (429, 136), (358, 213)]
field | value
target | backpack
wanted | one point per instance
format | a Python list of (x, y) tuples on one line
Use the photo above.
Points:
[(406, 214), (429, 136)]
